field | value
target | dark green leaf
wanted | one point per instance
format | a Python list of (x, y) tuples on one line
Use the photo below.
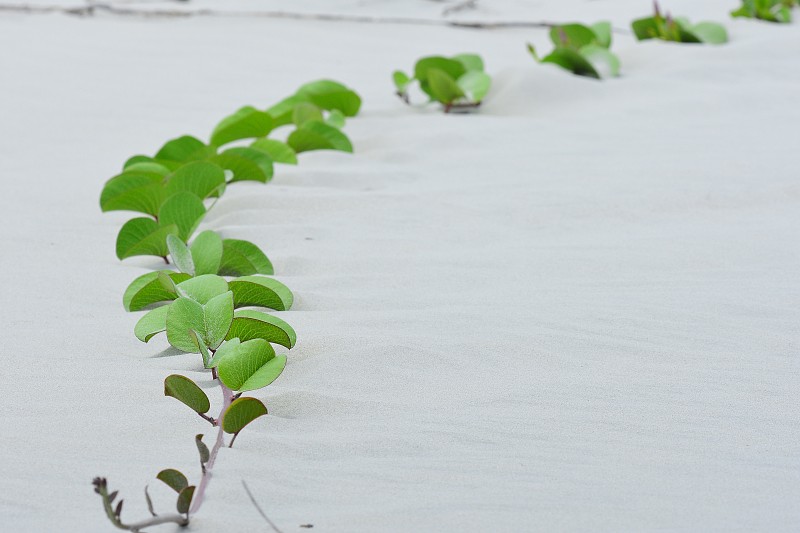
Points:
[(186, 391), (202, 449), (133, 191), (147, 290), (144, 236), (248, 324), (243, 258), (240, 413), (174, 479), (260, 291), (185, 499)]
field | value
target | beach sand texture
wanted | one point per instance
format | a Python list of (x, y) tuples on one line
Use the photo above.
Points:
[(576, 310)]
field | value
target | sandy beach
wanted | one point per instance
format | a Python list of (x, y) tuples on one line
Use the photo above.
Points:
[(575, 310)]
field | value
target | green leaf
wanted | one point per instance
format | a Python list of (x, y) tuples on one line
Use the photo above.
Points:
[(401, 81), (251, 365), (174, 479), (135, 160), (186, 391), (335, 119), (471, 62), (185, 499), (243, 258), (201, 346), (202, 449), (601, 59), (603, 32), (240, 413), (246, 164), (147, 290), (278, 151), (225, 348), (475, 85), (572, 61), (144, 236), (645, 28), (133, 191), (262, 292), (182, 149), (247, 122), (572, 36), (330, 95), (455, 69), (281, 112), (180, 254), (443, 87), (200, 178), (152, 323), (147, 166), (248, 324), (202, 289), (183, 209), (318, 136), (710, 33), (211, 321), (206, 251), (306, 112)]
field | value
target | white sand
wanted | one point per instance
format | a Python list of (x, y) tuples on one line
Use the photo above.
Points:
[(574, 311)]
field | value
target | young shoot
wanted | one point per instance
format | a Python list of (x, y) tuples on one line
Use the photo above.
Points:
[(582, 50), (458, 83), (679, 30)]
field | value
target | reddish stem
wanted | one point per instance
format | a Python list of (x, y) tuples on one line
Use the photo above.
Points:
[(227, 398)]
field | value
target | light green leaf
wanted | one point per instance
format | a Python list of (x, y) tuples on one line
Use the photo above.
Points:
[(243, 258), (199, 177), (247, 122), (240, 413), (136, 159), (133, 191), (143, 236), (229, 346), (278, 151), (186, 391), (281, 112), (246, 164), (248, 324), (443, 87), (401, 81), (183, 209), (206, 252), (244, 361), (218, 315), (455, 69), (603, 32), (201, 346), (260, 291), (710, 33), (183, 316), (335, 119), (572, 36), (475, 85), (306, 112), (471, 62), (152, 323), (318, 136), (147, 290), (174, 479), (330, 95), (147, 166), (180, 254), (203, 288), (602, 59)]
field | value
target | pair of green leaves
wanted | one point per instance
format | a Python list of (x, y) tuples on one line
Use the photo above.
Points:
[(779, 11), (582, 50), (201, 314), (678, 30), (459, 81), (180, 484)]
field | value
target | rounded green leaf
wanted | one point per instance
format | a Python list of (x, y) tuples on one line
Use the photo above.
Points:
[(136, 159), (278, 151), (443, 87), (452, 67), (186, 391), (306, 112), (185, 499), (710, 33), (401, 81), (144, 236), (180, 254), (243, 361), (246, 164), (217, 319), (248, 324), (206, 250), (203, 288), (147, 290), (260, 291), (330, 95), (147, 166), (174, 479), (475, 85), (181, 150), (183, 209), (184, 316), (152, 323), (243, 258), (572, 36), (572, 61), (200, 178), (318, 136), (602, 60), (245, 123), (141, 192), (281, 112), (240, 413), (603, 33), (471, 62)]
